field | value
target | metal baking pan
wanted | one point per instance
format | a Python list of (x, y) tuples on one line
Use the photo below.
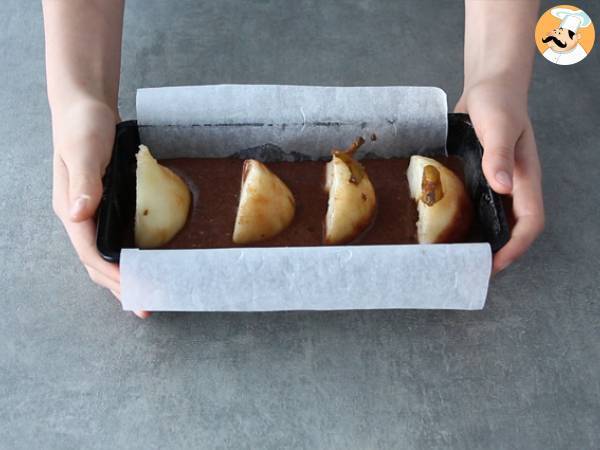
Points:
[(117, 207)]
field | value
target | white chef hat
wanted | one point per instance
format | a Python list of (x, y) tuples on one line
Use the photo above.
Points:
[(571, 20)]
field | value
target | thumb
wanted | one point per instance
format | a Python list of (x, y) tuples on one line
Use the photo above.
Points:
[(499, 139), (85, 185)]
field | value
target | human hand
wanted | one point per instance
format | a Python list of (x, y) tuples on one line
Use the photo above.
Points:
[(83, 135), (510, 159)]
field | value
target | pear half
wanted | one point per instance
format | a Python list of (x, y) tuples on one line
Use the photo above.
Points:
[(266, 205), (162, 202), (445, 211), (352, 203)]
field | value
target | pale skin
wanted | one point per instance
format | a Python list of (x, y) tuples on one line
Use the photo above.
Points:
[(83, 52), (498, 68)]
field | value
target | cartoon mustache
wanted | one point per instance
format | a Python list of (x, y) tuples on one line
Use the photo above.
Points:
[(556, 41)]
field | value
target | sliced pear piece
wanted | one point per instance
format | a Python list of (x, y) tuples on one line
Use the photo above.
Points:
[(352, 203), (162, 202), (445, 211), (266, 206)]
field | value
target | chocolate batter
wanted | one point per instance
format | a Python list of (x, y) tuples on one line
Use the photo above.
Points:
[(215, 186)]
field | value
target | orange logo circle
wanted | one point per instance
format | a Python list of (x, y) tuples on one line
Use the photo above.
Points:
[(564, 35)]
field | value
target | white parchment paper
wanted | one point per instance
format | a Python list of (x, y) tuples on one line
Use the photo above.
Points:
[(216, 121), (307, 278), (305, 122)]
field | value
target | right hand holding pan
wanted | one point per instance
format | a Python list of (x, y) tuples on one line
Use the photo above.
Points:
[(510, 159), (83, 135)]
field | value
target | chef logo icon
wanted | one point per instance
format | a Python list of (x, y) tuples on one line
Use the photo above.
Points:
[(564, 35)]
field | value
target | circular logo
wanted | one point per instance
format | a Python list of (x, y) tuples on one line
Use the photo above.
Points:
[(564, 35)]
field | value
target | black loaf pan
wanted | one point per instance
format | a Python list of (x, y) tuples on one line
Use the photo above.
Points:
[(117, 208)]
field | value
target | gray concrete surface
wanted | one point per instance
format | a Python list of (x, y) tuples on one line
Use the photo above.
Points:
[(76, 372)]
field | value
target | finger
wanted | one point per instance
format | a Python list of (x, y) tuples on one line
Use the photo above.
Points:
[(60, 182), (102, 280), (82, 235), (85, 184), (523, 235), (140, 314), (528, 205), (460, 106), (498, 137)]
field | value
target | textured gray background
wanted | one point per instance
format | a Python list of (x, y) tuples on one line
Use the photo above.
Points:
[(76, 372)]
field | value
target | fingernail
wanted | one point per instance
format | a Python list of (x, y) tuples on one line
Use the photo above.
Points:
[(79, 205), (503, 267), (141, 314), (504, 178)]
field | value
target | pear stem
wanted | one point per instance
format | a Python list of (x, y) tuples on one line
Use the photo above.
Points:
[(352, 149)]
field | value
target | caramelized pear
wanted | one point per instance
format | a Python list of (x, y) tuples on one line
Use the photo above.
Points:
[(162, 202), (266, 205), (352, 203), (445, 211)]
